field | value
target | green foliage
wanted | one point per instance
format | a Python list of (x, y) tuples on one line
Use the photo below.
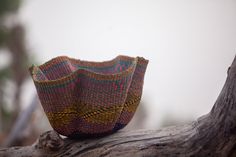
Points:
[(5, 73), (7, 6), (3, 36), (14, 43)]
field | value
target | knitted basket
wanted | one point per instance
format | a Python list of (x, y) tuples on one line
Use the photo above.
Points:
[(82, 98)]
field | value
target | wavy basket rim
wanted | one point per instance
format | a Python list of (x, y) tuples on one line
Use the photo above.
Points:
[(88, 72)]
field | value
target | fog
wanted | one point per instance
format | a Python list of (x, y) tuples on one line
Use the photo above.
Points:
[(189, 44)]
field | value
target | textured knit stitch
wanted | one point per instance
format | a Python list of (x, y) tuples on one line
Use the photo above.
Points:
[(82, 98)]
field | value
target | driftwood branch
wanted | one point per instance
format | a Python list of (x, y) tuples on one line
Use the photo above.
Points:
[(212, 135)]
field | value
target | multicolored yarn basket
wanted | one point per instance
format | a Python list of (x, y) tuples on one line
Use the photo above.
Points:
[(83, 98)]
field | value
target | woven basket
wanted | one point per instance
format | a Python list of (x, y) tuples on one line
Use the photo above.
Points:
[(82, 98)]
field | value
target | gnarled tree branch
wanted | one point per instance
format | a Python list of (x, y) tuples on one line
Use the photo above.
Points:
[(211, 135)]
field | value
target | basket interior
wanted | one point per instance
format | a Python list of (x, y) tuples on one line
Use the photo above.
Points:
[(63, 66)]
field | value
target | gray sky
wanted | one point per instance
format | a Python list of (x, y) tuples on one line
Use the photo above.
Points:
[(190, 44)]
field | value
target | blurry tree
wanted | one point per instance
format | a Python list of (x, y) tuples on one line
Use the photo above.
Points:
[(12, 40)]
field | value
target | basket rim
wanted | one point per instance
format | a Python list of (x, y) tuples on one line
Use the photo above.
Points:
[(88, 72)]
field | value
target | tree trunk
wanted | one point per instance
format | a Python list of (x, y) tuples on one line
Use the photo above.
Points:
[(212, 135)]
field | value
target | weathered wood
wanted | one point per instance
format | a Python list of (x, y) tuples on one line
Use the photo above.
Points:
[(212, 135)]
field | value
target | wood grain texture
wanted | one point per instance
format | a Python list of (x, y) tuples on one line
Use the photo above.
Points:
[(212, 135)]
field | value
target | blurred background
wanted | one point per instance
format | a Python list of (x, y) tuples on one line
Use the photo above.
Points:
[(189, 44)]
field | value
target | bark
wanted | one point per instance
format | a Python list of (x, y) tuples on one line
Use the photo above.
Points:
[(212, 135)]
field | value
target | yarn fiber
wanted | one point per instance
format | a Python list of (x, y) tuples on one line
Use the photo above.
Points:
[(85, 98)]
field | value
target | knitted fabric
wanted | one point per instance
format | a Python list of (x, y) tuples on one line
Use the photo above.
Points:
[(82, 98)]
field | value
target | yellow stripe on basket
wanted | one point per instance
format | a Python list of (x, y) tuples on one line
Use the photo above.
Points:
[(94, 115), (131, 106), (91, 114)]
